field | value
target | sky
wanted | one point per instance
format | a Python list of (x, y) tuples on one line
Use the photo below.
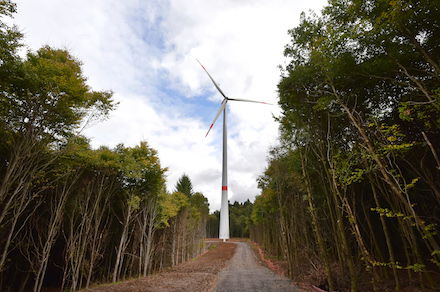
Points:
[(145, 51)]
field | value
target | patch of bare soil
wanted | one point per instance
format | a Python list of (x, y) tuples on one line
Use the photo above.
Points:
[(199, 274)]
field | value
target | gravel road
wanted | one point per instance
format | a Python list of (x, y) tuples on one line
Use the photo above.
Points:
[(246, 273)]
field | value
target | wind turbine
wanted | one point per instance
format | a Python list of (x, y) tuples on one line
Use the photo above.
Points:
[(224, 210)]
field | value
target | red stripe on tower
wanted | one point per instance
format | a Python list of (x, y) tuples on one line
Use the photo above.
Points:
[(224, 188)]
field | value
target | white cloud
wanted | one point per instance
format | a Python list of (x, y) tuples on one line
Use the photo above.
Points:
[(145, 52)]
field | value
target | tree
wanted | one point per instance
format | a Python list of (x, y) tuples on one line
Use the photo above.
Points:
[(184, 186), (240, 218), (360, 107), (200, 203), (44, 225), (143, 179), (212, 224), (42, 106), (67, 210), (10, 42)]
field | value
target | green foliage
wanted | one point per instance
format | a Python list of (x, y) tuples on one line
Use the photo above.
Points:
[(134, 202), (240, 219), (199, 206), (359, 144), (360, 110), (264, 206), (200, 202), (96, 199), (388, 213), (171, 204), (212, 225), (50, 96), (430, 231), (10, 42), (184, 186), (140, 168)]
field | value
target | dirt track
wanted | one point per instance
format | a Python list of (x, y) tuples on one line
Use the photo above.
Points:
[(196, 275), (230, 266), (246, 273)]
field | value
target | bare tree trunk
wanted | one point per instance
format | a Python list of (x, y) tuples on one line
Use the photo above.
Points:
[(365, 253), (387, 237), (316, 225), (86, 231), (391, 181), (25, 164), (103, 191), (173, 244), (151, 228), (123, 242), (334, 189), (16, 204), (46, 242)]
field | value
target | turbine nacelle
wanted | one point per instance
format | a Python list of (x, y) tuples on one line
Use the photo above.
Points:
[(225, 99)]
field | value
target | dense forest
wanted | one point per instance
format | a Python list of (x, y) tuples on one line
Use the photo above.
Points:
[(71, 215), (353, 189), (239, 221)]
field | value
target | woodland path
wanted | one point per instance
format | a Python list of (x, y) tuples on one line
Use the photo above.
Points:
[(230, 266), (246, 273)]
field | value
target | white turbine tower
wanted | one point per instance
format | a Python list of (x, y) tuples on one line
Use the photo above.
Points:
[(224, 210)]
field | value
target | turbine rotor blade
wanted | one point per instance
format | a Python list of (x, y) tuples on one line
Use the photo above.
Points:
[(248, 100), (212, 79), (222, 107)]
